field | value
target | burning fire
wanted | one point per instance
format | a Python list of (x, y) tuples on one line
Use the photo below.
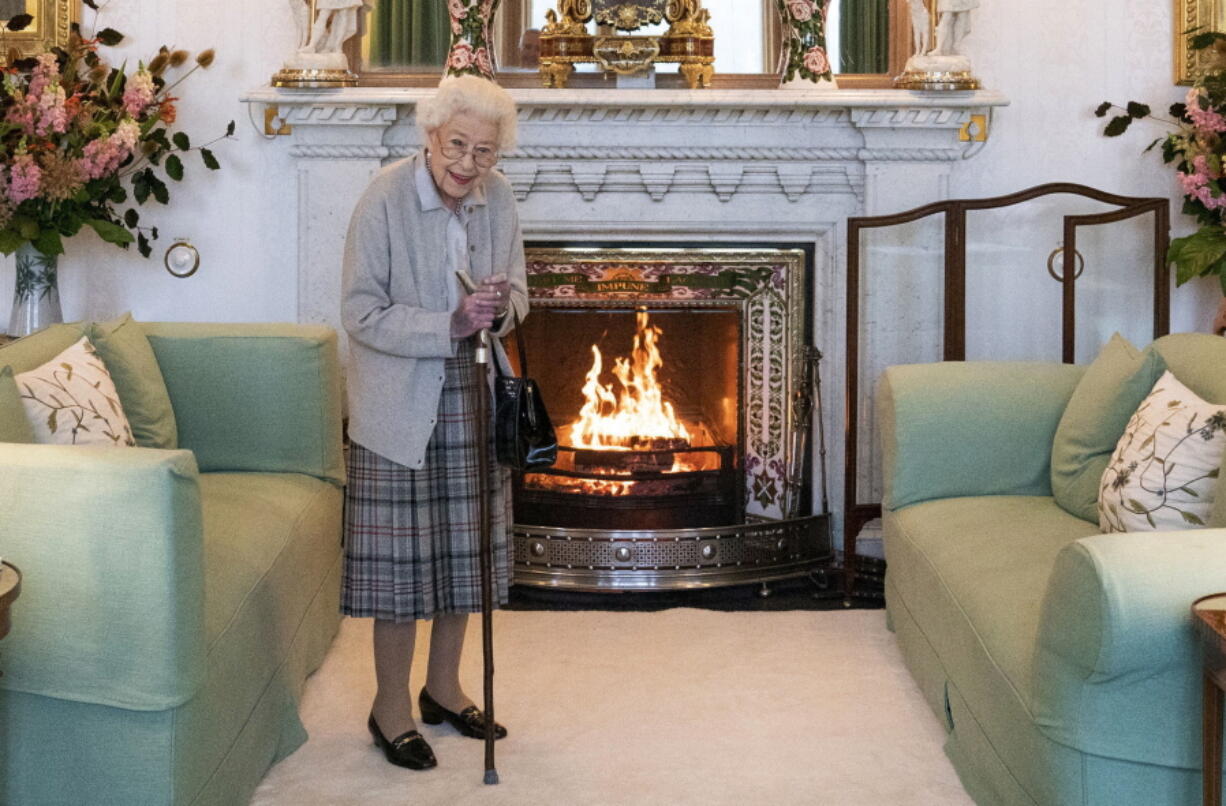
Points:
[(636, 417), (627, 429)]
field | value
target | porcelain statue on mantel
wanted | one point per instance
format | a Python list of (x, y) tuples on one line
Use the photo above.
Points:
[(323, 28), (944, 66)]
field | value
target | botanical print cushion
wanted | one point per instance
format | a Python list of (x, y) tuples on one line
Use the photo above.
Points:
[(1165, 469), (71, 400)]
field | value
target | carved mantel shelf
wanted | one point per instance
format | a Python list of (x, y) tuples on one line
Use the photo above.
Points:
[(603, 135)]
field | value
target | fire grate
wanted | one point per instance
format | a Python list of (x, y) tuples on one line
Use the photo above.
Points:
[(604, 561), (568, 496)]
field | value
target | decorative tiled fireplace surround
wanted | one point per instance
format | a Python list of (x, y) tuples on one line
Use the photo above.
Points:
[(606, 167)]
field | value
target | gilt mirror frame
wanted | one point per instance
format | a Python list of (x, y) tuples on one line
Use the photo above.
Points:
[(1207, 15), (52, 24), (509, 22)]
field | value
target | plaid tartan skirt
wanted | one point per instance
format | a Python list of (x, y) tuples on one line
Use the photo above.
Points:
[(412, 536)]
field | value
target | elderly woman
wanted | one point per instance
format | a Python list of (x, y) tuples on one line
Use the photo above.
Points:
[(411, 528)]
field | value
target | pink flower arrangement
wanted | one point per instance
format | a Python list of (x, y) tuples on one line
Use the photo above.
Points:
[(79, 138), (1196, 148)]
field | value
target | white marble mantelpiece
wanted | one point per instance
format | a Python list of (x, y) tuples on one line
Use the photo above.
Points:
[(717, 166)]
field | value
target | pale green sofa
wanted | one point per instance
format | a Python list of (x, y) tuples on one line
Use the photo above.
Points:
[(174, 601), (1063, 663)]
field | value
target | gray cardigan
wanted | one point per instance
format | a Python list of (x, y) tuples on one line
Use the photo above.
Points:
[(394, 303)]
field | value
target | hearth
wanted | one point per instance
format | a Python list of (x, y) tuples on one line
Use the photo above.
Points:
[(671, 376)]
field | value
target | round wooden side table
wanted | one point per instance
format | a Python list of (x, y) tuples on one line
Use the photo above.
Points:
[(1210, 617), (10, 589)]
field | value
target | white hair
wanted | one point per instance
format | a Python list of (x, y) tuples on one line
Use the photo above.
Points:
[(476, 96)]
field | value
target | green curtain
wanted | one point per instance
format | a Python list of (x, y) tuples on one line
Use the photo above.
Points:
[(864, 36), (409, 33)]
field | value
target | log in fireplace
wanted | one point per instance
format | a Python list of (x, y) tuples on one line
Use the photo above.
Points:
[(679, 383)]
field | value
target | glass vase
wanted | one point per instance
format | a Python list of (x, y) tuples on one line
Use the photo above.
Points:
[(36, 296)]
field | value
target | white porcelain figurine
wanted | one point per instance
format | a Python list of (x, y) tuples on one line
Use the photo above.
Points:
[(953, 24), (319, 58)]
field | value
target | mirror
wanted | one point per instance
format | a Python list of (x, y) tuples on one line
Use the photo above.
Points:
[(411, 36), (50, 27), (1207, 15)]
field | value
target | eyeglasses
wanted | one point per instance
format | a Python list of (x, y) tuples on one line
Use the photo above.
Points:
[(456, 149)]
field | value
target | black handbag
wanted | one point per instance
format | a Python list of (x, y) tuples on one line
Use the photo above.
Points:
[(523, 434)]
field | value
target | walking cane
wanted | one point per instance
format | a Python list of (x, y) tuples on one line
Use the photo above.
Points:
[(482, 360)]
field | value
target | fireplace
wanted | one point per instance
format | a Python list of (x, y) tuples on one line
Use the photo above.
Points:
[(671, 377)]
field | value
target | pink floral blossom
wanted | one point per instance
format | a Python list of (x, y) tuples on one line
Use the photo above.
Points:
[(138, 93), (816, 60), (1197, 185), (457, 8), (52, 114), (1206, 120), (802, 10), (46, 71), (461, 56), (102, 157), (26, 176), (22, 114), (482, 58)]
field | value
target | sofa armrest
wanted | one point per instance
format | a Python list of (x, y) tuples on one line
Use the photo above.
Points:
[(958, 429), (1117, 664), (255, 397), (110, 545)]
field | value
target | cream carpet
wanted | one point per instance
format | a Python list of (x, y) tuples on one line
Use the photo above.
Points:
[(671, 708)]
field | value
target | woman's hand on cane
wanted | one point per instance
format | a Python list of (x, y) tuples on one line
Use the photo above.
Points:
[(501, 286), (476, 312)]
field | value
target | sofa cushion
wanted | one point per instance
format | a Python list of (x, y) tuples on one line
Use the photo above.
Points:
[(1198, 359), (36, 349), (125, 350), (1105, 398), (252, 522), (970, 428), (71, 400), (25, 354), (14, 427), (263, 397), (995, 570), (970, 573), (1163, 475)]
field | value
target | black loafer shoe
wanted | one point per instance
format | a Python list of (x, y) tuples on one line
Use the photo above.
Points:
[(409, 749), (470, 721)]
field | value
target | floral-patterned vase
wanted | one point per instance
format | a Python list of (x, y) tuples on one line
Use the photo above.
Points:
[(36, 298), (804, 58), (472, 47)]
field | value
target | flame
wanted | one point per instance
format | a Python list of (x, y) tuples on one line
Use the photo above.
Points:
[(637, 413)]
